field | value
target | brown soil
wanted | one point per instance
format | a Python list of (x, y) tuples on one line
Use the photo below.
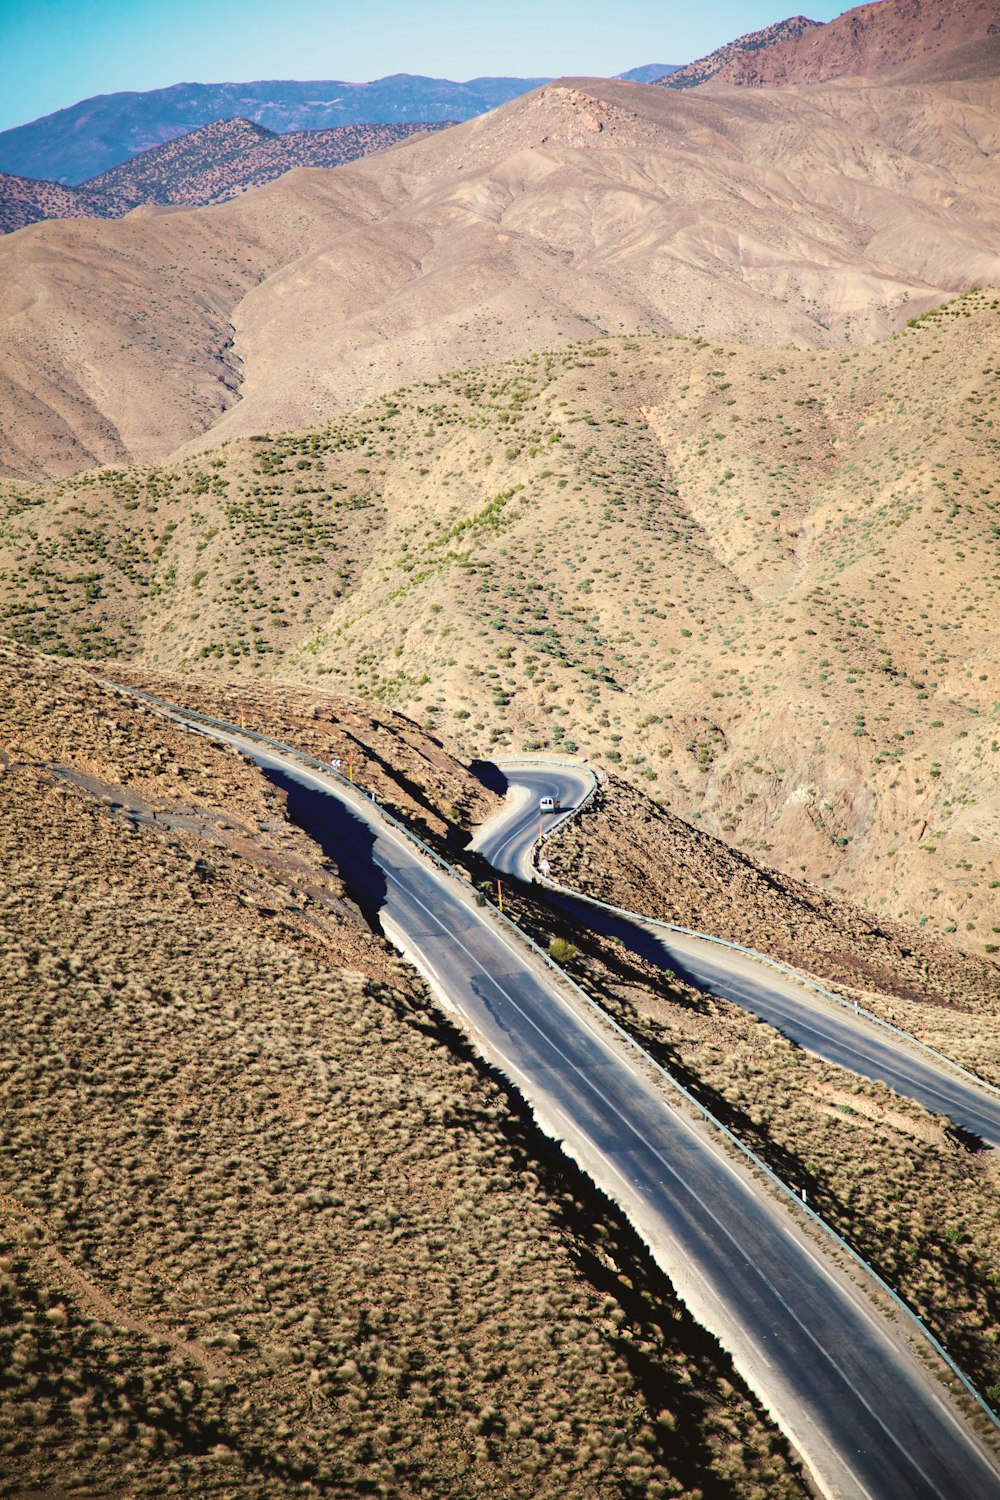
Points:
[(264, 1221), (878, 41), (819, 219)]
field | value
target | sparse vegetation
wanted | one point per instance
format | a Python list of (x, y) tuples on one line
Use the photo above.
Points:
[(265, 1224), (805, 668)]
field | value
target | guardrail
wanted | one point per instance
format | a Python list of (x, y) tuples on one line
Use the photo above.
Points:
[(182, 715), (772, 963), (751, 1155), (597, 779)]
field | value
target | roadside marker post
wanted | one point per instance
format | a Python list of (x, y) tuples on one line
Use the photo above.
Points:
[(499, 896)]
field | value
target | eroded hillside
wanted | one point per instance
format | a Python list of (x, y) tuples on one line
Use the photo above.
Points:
[(265, 1225), (761, 584), (820, 217), (880, 40)]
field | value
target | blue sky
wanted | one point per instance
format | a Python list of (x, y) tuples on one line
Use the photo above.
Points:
[(55, 52)]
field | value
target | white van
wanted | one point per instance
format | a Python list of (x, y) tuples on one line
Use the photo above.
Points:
[(548, 804)]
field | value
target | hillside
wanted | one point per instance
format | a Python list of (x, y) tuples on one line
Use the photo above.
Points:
[(649, 72), (228, 157), (23, 201), (759, 583), (76, 144), (877, 41), (211, 165), (200, 1293), (822, 218), (703, 69)]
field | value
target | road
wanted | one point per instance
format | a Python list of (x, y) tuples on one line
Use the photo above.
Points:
[(868, 1420), (820, 1026)]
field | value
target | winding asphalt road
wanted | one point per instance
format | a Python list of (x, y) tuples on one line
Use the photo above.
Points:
[(821, 1026), (868, 1419)]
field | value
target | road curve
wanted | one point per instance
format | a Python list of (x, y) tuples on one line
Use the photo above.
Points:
[(867, 1418), (821, 1026)]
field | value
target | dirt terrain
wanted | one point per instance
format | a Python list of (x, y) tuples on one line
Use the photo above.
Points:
[(823, 217), (882, 40), (265, 1224), (758, 584), (628, 851), (210, 165)]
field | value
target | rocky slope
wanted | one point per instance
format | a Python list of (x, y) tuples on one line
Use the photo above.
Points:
[(760, 583), (823, 218), (706, 68), (211, 165), (24, 200), (265, 1225), (878, 41), (228, 157), (627, 850)]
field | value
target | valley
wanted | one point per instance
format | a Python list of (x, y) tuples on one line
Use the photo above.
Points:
[(647, 423)]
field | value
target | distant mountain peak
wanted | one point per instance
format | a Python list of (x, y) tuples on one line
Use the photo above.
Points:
[(705, 68), (80, 143), (877, 40), (649, 72)]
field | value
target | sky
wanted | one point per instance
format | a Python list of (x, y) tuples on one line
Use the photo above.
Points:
[(56, 52)]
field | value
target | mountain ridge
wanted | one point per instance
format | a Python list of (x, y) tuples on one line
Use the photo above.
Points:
[(78, 143), (210, 165), (704, 69), (588, 207), (878, 40)]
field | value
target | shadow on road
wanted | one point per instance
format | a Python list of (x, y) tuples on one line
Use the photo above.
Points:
[(633, 937), (344, 838)]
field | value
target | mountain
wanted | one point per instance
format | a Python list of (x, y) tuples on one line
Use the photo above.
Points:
[(758, 583), (587, 207), (880, 40), (706, 68), (187, 981), (24, 200), (89, 138), (228, 157), (649, 72), (210, 165)]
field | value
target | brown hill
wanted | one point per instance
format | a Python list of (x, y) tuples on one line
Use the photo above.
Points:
[(704, 68), (196, 1288), (585, 208), (227, 158), (876, 41), (760, 583), (24, 200), (210, 165)]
